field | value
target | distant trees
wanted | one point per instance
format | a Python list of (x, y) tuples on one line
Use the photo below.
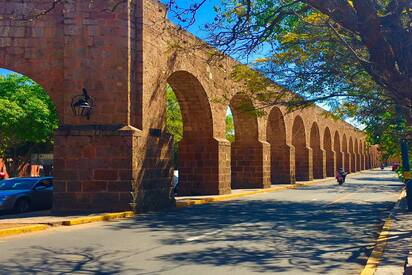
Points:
[(320, 49), (350, 54), (28, 119)]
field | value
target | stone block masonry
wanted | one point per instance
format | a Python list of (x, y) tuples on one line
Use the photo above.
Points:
[(125, 57)]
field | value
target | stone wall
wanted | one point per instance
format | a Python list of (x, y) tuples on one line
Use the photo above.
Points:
[(120, 159)]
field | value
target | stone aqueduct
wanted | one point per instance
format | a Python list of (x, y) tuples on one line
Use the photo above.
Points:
[(121, 157)]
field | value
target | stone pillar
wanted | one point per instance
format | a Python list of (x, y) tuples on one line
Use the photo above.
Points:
[(368, 161), (319, 163), (348, 162), (331, 164), (105, 163), (204, 167), (353, 162), (304, 164), (358, 162), (250, 165), (340, 161), (362, 161), (94, 168), (282, 168)]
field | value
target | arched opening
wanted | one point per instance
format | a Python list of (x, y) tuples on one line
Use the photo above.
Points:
[(338, 151), (352, 156), (282, 154), (303, 154), (174, 126), (248, 165), (346, 154), (28, 120), (330, 154), (199, 154), (317, 152)]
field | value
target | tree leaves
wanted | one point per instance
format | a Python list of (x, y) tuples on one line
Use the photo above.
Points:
[(27, 116)]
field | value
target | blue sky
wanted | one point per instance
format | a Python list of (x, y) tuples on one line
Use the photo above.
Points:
[(204, 15), (4, 71)]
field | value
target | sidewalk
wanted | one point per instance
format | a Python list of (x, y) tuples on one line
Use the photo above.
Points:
[(398, 242)]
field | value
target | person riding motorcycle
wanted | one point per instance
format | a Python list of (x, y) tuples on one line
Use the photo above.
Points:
[(341, 176)]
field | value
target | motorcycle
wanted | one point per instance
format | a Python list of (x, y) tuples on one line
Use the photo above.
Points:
[(340, 180), (341, 176)]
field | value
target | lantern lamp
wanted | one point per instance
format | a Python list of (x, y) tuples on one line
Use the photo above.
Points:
[(82, 105)]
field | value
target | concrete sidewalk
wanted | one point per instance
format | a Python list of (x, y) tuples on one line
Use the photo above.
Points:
[(398, 241)]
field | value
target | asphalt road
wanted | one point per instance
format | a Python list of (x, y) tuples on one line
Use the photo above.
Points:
[(324, 229)]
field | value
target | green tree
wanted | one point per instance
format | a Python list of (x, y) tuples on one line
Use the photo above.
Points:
[(230, 128), (320, 49), (28, 119), (174, 122)]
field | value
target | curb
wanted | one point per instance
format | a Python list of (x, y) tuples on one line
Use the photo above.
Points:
[(75, 221), (22, 229), (100, 218), (377, 252)]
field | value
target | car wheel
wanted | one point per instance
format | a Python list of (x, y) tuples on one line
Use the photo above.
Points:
[(22, 205)]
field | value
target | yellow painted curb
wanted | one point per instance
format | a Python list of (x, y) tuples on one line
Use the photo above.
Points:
[(22, 229), (190, 202), (99, 218), (82, 220), (377, 252)]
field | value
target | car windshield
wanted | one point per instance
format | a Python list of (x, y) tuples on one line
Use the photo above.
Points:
[(16, 184)]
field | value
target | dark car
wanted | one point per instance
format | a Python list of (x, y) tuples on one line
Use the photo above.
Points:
[(25, 194), (395, 166)]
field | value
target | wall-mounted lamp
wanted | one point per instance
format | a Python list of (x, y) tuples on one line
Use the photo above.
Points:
[(82, 105)]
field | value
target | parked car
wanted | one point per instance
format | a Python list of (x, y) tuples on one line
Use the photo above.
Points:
[(26, 194), (395, 166)]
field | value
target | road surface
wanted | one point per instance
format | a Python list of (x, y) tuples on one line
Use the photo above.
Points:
[(323, 229)]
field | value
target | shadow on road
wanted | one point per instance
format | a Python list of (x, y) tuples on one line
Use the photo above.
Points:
[(261, 234), (89, 260), (270, 235)]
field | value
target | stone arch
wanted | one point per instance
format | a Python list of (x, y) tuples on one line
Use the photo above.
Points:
[(248, 165), (282, 154), (330, 153), (194, 105), (199, 153), (317, 152), (352, 156), (246, 122), (303, 154)]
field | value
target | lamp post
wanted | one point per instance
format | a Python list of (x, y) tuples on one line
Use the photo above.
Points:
[(82, 105)]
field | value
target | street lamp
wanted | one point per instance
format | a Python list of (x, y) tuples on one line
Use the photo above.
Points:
[(82, 105)]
